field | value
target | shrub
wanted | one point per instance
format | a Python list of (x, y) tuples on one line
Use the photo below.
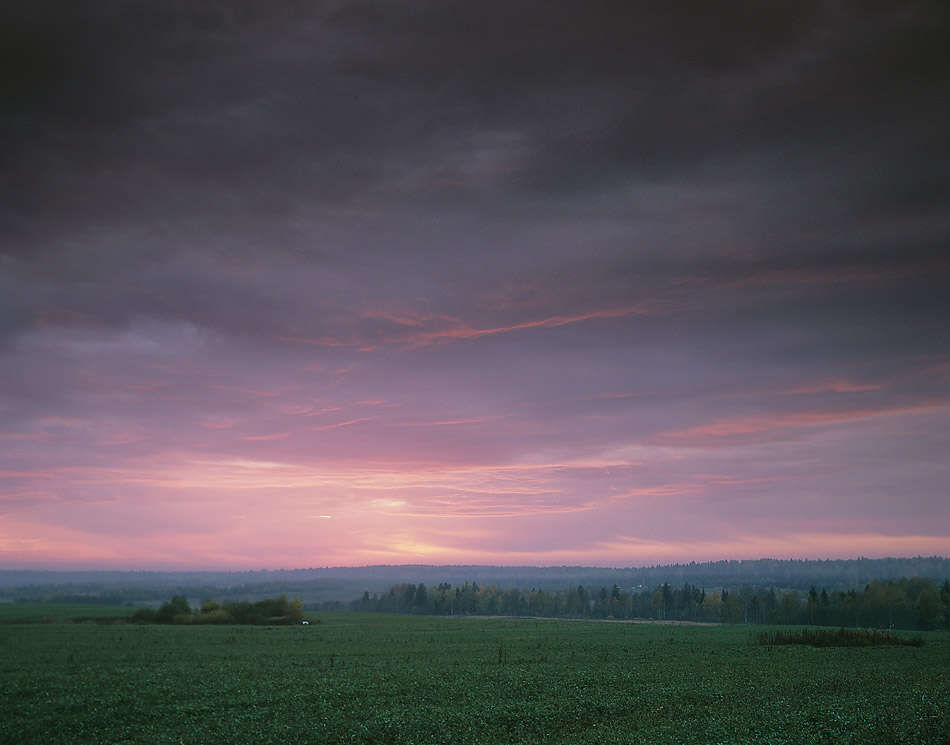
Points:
[(218, 615)]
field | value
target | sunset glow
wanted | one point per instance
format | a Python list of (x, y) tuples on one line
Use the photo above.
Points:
[(341, 289)]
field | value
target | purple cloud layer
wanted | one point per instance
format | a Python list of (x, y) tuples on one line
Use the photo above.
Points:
[(510, 283)]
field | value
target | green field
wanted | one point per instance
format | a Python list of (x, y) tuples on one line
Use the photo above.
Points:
[(45, 612), (353, 678)]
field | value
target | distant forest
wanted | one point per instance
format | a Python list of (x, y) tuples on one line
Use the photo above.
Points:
[(336, 587), (916, 603)]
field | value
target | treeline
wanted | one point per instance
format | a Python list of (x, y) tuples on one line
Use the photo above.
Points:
[(916, 603), (321, 585), (275, 611)]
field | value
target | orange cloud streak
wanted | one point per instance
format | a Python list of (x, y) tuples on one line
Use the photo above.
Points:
[(741, 429), (836, 386), (460, 331), (419, 330)]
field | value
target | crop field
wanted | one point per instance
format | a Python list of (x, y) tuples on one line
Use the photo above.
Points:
[(354, 678)]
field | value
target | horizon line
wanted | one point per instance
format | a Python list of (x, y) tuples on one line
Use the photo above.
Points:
[(482, 566)]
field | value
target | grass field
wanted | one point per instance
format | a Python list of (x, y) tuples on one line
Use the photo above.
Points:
[(354, 678)]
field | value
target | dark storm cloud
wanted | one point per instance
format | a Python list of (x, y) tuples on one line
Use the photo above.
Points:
[(167, 102), (613, 91), (170, 123)]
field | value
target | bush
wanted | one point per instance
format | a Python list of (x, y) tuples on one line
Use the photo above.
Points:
[(836, 638), (144, 615), (218, 615)]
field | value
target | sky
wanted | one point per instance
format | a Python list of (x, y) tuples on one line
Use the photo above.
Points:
[(289, 285)]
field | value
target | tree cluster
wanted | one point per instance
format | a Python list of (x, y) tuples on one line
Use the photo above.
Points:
[(916, 603), (272, 611)]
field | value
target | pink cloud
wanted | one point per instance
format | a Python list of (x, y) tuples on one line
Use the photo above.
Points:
[(454, 422), (347, 423)]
